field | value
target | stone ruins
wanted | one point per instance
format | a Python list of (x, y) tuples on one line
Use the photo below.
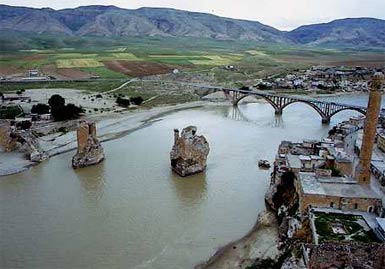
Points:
[(90, 151), (189, 152), (24, 141)]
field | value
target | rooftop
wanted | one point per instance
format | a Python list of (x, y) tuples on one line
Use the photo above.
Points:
[(294, 161), (381, 223), (334, 186)]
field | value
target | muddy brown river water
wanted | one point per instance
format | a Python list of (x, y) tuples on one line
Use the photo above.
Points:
[(131, 211)]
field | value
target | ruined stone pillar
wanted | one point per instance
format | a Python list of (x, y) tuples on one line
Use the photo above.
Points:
[(90, 151), (370, 129), (82, 136), (176, 136), (188, 155)]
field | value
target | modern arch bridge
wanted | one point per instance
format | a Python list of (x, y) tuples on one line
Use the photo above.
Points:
[(325, 109)]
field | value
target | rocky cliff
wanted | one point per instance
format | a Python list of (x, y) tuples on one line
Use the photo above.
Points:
[(189, 152)]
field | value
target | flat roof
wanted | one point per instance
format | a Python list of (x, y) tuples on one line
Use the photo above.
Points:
[(293, 161), (381, 223), (334, 186), (380, 165)]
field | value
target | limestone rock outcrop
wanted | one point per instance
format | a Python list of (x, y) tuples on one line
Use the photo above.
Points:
[(189, 152), (90, 151)]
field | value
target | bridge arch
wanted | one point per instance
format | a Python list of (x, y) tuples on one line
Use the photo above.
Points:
[(325, 118), (279, 110), (325, 109), (270, 101), (363, 112)]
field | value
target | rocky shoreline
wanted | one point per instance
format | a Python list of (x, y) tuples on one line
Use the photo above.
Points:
[(260, 244)]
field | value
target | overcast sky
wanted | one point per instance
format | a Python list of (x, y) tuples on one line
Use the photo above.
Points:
[(282, 14)]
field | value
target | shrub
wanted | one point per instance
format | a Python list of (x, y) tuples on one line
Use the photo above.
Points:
[(63, 130), (137, 100), (244, 88), (10, 112), (24, 125), (40, 109), (122, 102)]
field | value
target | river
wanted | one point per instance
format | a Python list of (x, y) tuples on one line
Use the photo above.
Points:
[(131, 211)]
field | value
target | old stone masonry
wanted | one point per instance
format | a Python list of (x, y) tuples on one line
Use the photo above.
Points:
[(189, 152), (90, 151)]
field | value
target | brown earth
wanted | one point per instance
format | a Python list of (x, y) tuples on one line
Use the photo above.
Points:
[(10, 70), (364, 63), (71, 73), (35, 57), (138, 69)]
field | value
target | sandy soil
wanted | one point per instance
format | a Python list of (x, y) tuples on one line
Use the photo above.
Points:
[(138, 69), (259, 243), (80, 98)]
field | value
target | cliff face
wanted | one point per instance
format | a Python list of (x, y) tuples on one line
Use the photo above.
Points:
[(189, 152), (90, 151)]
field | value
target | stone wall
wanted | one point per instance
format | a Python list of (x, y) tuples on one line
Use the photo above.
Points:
[(346, 168), (358, 204)]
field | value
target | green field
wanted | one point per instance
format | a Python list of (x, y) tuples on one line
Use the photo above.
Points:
[(205, 57)]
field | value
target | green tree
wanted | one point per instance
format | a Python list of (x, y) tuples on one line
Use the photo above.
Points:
[(56, 100), (40, 109)]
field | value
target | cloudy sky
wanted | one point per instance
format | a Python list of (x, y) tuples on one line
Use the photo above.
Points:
[(282, 14)]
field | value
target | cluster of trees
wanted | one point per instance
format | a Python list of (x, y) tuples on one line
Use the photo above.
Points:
[(123, 102), (126, 102), (60, 111), (40, 109)]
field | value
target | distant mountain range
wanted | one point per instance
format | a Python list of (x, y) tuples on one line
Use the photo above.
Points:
[(114, 22)]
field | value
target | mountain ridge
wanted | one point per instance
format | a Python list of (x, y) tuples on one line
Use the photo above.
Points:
[(114, 22)]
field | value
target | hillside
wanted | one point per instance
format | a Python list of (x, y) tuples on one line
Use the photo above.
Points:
[(110, 25), (110, 21), (360, 33)]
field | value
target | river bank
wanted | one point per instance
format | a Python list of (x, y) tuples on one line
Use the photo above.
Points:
[(261, 243), (109, 127)]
